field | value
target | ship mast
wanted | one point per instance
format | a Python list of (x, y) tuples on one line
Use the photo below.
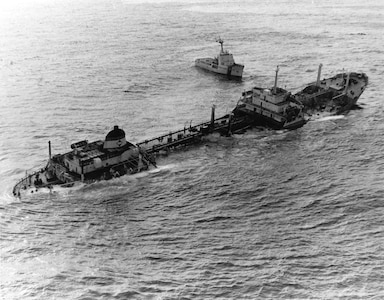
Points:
[(275, 86), (221, 43), (213, 116), (347, 83), (318, 75)]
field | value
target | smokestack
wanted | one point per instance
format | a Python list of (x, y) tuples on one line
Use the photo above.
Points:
[(49, 149)]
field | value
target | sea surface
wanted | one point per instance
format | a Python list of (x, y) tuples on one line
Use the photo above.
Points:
[(263, 215)]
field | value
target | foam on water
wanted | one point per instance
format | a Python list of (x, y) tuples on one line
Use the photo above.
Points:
[(323, 118)]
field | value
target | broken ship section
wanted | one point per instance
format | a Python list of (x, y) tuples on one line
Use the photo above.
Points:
[(115, 156), (87, 162), (337, 94)]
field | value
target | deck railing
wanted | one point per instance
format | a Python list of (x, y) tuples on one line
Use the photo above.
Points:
[(24, 182), (177, 137)]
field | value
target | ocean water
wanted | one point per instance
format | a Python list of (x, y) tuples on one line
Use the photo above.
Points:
[(263, 215)]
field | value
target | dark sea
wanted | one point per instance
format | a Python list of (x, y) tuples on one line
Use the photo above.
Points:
[(262, 215)]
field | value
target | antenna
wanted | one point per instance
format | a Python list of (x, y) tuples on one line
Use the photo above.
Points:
[(219, 40)]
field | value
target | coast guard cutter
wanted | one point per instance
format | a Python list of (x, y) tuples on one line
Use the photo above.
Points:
[(222, 64)]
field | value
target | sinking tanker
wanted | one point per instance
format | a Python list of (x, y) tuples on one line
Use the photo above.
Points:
[(273, 107), (87, 162)]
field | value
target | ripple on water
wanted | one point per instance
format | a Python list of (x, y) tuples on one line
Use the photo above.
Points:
[(261, 215)]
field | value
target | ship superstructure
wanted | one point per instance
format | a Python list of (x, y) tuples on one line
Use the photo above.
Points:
[(273, 107), (221, 64), (111, 157)]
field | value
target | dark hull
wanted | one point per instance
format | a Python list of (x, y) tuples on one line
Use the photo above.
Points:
[(334, 94), (256, 119), (349, 104), (326, 102)]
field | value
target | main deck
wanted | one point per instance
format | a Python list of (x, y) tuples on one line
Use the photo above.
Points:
[(192, 134)]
